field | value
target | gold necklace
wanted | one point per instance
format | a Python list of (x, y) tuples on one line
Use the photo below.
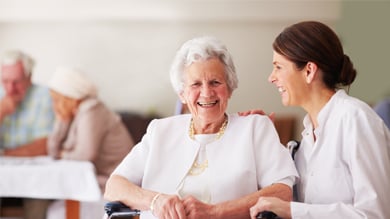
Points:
[(197, 168), (191, 131)]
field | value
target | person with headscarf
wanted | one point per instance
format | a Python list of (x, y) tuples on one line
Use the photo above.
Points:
[(85, 128)]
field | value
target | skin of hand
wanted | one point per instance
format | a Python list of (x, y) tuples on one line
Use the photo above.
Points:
[(35, 148), (276, 205), (196, 209), (234, 208), (257, 111), (8, 106), (169, 207), (65, 108)]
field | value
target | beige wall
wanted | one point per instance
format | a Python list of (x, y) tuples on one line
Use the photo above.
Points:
[(127, 47), (365, 30)]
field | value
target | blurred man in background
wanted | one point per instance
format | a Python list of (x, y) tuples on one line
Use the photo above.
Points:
[(26, 117)]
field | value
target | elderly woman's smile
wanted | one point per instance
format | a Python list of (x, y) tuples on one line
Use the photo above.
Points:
[(207, 104)]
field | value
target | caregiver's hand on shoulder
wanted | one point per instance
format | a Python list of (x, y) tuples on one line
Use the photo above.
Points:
[(257, 111)]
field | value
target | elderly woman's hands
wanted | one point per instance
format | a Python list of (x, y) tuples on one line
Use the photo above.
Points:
[(172, 207), (276, 205), (196, 209), (169, 207)]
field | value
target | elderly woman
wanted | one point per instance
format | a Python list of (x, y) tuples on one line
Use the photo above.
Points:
[(205, 164), (85, 128)]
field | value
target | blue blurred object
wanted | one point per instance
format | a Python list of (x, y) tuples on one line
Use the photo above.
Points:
[(383, 110)]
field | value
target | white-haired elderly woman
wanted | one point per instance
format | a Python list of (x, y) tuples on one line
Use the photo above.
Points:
[(85, 129), (205, 164)]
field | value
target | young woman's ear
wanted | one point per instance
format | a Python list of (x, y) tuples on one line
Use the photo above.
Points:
[(311, 71)]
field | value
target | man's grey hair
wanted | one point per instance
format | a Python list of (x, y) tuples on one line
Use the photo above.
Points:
[(11, 57)]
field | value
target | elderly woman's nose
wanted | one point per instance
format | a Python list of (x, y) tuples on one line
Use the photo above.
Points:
[(206, 90)]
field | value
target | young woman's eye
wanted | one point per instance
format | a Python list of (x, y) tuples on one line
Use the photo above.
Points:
[(277, 67)]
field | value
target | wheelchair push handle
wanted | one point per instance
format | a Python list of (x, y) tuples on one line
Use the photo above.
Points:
[(267, 215), (117, 209)]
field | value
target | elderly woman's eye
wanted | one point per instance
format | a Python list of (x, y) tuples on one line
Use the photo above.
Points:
[(195, 84), (215, 83)]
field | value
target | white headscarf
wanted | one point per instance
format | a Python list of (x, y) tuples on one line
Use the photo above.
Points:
[(72, 83)]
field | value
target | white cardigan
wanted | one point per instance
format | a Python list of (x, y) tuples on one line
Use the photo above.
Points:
[(248, 157)]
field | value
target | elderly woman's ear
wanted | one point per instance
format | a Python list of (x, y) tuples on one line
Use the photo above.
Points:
[(182, 99)]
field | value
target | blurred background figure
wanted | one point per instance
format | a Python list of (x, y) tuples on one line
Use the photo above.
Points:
[(181, 108), (26, 118), (85, 129), (383, 110)]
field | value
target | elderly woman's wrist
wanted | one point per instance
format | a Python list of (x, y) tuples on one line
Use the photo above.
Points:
[(153, 202)]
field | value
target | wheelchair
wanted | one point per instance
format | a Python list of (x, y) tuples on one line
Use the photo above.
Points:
[(117, 210)]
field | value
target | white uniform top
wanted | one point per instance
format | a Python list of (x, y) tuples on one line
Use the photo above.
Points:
[(345, 173), (246, 158)]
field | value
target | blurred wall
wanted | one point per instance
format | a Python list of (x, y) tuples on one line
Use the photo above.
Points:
[(126, 46), (365, 31)]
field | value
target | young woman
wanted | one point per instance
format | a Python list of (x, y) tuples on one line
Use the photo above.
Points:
[(343, 159)]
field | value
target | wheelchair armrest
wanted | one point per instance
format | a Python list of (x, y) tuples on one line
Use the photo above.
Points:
[(267, 215), (116, 209)]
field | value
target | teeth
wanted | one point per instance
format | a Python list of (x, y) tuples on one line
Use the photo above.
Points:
[(281, 90), (207, 104)]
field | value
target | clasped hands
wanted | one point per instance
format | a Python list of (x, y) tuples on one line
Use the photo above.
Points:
[(172, 207)]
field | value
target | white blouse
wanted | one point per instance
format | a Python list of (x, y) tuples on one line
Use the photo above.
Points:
[(344, 174), (197, 183)]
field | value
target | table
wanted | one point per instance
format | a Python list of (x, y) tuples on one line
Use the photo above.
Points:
[(43, 177)]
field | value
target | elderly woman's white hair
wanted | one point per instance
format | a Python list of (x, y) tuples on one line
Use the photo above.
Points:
[(72, 83), (201, 49), (11, 57)]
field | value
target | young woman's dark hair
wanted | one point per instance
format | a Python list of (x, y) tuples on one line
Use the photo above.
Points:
[(312, 41)]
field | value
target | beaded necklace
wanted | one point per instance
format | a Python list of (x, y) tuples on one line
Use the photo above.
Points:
[(221, 131), (197, 168)]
